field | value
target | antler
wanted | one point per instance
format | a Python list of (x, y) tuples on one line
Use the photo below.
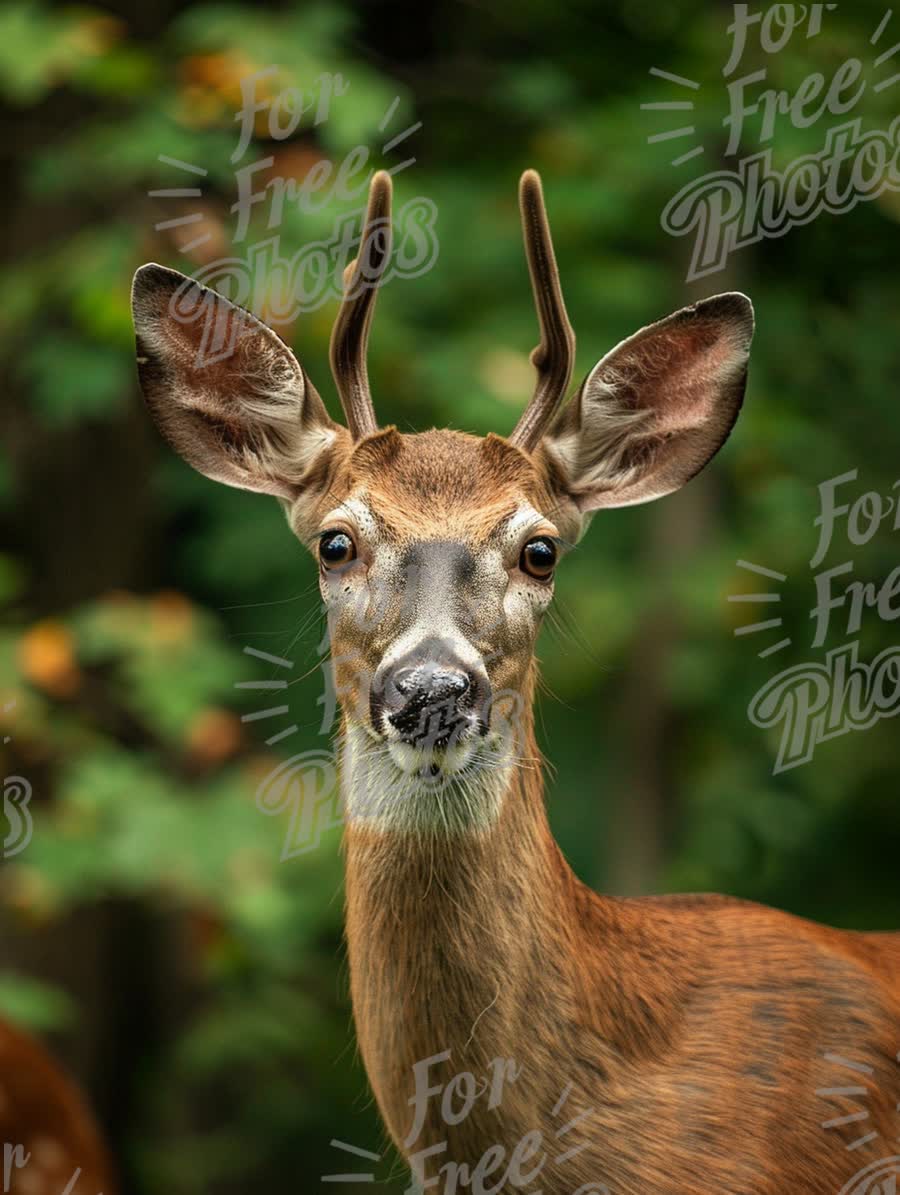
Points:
[(350, 335), (555, 355)]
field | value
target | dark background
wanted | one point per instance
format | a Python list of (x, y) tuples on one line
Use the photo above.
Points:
[(194, 983)]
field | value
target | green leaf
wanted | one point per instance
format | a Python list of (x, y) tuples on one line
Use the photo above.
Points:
[(33, 1004), (72, 378)]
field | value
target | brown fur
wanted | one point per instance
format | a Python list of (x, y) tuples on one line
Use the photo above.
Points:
[(694, 1031), (437, 485), (42, 1111)]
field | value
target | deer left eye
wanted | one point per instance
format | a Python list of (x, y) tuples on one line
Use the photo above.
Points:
[(538, 558), (336, 548)]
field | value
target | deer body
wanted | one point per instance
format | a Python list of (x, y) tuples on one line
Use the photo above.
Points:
[(693, 1031), (675, 1045)]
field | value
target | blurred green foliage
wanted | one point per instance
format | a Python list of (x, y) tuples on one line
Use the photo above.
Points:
[(130, 585)]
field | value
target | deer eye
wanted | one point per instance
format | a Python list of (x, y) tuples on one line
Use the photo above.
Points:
[(538, 558), (336, 548)]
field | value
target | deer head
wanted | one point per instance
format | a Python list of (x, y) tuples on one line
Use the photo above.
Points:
[(437, 551)]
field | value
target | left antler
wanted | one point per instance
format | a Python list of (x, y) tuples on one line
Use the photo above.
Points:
[(350, 336), (555, 355)]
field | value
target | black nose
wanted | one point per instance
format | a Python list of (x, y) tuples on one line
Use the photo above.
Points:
[(430, 702), (430, 682)]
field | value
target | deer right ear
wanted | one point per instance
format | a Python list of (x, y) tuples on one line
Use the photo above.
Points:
[(657, 408), (224, 390)]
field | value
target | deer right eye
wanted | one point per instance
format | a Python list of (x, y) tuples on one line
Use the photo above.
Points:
[(336, 548), (538, 558)]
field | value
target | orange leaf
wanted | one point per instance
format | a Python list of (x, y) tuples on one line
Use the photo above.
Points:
[(47, 659)]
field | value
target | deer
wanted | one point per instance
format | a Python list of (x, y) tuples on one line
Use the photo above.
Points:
[(50, 1141), (519, 1030)]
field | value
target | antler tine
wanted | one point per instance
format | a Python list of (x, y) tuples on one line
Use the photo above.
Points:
[(555, 355), (350, 335)]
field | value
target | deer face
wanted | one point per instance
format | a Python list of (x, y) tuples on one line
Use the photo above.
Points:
[(437, 552), (436, 560)]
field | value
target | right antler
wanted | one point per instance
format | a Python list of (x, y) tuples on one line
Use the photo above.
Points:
[(350, 336), (555, 355)]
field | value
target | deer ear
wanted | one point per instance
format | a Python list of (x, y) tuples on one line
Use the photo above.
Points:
[(657, 408), (224, 390)]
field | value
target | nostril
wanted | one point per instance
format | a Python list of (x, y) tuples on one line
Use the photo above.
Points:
[(406, 681), (448, 683)]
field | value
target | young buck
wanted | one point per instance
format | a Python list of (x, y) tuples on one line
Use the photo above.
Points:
[(49, 1140), (671, 1044)]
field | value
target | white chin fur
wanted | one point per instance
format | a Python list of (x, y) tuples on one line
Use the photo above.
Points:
[(391, 787), (413, 760)]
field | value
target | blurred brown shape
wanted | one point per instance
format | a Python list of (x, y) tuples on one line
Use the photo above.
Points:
[(28, 892), (51, 1143), (47, 659), (171, 617), (214, 736)]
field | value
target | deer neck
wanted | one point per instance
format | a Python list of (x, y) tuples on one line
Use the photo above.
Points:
[(455, 936)]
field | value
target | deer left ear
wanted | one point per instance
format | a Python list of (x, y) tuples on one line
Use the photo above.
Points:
[(225, 391), (656, 409)]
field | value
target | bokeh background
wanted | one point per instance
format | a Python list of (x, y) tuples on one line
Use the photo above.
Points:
[(195, 984)]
